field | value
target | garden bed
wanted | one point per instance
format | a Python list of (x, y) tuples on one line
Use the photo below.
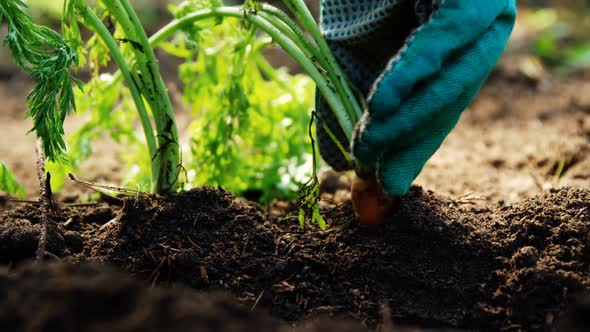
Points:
[(434, 264)]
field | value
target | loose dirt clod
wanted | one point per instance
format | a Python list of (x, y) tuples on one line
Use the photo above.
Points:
[(433, 264)]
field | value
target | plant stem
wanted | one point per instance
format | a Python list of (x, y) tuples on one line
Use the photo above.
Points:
[(302, 13), (267, 70), (43, 203), (330, 67), (156, 94), (339, 145), (317, 61), (96, 24), (300, 35), (325, 86), (288, 32)]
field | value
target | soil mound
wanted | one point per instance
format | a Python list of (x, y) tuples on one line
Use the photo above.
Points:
[(435, 264)]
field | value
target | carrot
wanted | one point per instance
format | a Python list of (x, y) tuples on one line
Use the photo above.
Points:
[(371, 204)]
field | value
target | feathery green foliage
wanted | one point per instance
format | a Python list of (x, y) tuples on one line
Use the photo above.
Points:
[(247, 134), (45, 55)]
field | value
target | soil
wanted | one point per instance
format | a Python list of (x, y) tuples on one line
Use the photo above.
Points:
[(493, 237), (92, 297), (435, 264)]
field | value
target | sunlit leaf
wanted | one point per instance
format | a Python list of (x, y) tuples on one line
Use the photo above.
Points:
[(8, 182)]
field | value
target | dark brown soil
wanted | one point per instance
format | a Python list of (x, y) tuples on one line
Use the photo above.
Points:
[(92, 297), (435, 264)]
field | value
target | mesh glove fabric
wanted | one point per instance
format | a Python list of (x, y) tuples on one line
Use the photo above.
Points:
[(419, 63)]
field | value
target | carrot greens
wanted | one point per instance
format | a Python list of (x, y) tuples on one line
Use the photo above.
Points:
[(45, 55), (247, 130)]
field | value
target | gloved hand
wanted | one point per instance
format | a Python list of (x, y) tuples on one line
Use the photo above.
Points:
[(419, 63)]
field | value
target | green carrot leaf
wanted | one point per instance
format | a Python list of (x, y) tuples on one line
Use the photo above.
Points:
[(46, 56), (247, 134)]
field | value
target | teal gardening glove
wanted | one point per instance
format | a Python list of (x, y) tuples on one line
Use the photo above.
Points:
[(419, 63)]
